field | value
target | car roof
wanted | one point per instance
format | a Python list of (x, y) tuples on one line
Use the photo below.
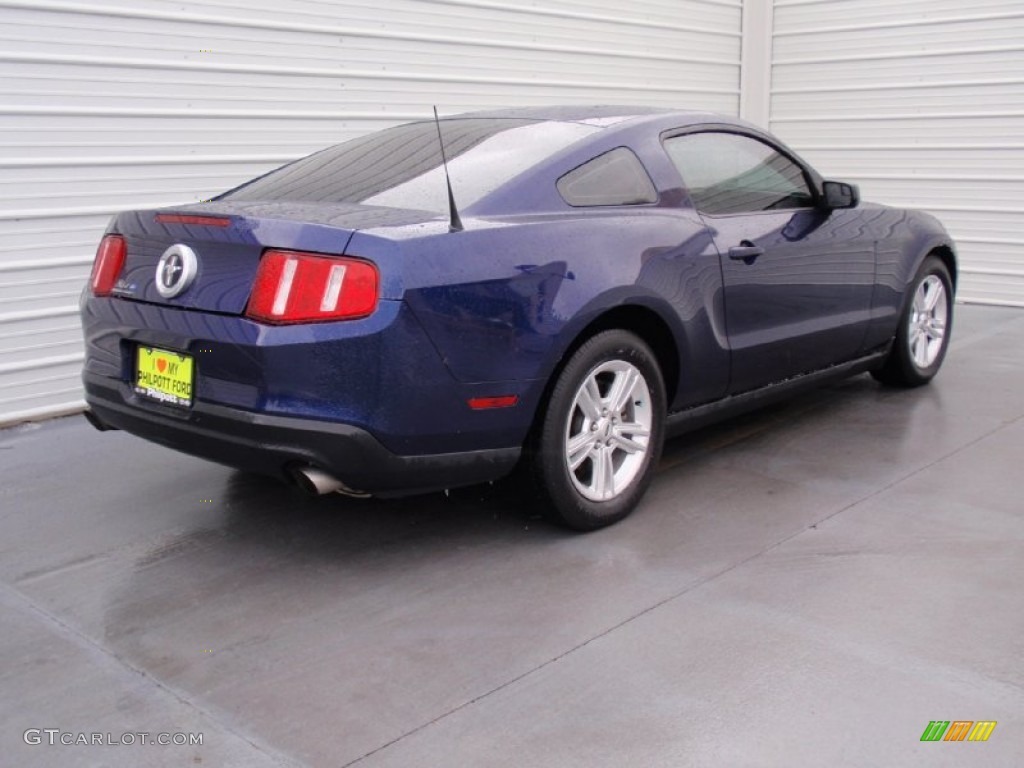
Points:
[(600, 116), (598, 129)]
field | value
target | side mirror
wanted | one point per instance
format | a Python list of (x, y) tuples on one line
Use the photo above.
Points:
[(837, 194)]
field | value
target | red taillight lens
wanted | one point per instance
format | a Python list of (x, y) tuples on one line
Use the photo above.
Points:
[(107, 266), (294, 287)]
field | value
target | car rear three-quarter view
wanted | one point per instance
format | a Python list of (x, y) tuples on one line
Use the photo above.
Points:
[(576, 284)]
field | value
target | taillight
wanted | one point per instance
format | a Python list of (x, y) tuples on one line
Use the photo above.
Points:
[(295, 287), (107, 266)]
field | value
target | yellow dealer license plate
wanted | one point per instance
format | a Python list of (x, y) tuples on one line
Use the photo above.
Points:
[(164, 376)]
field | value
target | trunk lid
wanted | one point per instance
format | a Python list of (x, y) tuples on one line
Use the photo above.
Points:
[(228, 238)]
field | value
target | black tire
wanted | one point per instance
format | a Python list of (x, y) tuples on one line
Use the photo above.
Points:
[(917, 354), (608, 440)]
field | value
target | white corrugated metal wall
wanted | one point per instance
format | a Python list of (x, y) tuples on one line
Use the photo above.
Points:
[(922, 103), (128, 103)]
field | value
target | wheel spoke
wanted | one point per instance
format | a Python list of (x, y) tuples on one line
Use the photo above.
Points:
[(579, 449), (919, 301), (628, 444), (604, 473), (933, 294), (919, 349), (632, 428), (622, 389), (589, 399), (625, 436)]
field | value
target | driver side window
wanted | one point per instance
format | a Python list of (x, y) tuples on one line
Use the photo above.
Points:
[(727, 173)]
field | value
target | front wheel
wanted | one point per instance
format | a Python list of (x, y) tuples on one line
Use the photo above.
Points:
[(923, 334), (601, 434)]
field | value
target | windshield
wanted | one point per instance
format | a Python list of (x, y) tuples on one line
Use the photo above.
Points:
[(401, 167)]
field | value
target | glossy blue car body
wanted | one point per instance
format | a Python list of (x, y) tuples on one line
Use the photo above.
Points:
[(381, 402)]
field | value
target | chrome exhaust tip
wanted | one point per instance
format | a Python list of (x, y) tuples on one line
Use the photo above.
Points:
[(315, 482)]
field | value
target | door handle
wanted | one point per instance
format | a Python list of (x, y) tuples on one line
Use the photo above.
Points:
[(746, 252)]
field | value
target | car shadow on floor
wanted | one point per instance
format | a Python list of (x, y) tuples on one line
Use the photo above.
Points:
[(259, 512), (333, 525)]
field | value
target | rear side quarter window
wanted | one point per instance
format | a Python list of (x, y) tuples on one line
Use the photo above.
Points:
[(614, 178)]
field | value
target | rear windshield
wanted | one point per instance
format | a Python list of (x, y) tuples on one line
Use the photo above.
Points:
[(401, 167)]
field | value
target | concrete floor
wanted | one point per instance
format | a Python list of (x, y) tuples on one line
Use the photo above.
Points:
[(807, 586)]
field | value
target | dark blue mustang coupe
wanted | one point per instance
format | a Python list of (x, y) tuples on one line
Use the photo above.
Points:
[(568, 288)]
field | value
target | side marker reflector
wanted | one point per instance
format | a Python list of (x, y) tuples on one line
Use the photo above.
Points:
[(502, 401)]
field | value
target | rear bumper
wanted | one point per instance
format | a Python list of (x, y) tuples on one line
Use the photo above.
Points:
[(276, 445)]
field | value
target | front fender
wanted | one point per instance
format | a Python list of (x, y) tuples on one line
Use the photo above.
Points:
[(904, 240)]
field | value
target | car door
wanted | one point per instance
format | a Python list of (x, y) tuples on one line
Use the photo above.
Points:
[(797, 279)]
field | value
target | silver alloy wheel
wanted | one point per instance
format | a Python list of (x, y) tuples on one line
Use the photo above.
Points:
[(927, 332), (608, 430)]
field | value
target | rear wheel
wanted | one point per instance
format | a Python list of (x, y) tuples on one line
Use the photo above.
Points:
[(601, 434), (923, 334)]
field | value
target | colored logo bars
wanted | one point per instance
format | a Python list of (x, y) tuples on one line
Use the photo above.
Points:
[(958, 730)]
